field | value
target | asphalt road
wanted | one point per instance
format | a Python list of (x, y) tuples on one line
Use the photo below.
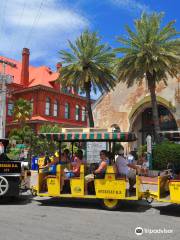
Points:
[(51, 219)]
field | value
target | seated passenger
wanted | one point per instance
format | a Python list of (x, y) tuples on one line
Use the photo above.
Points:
[(143, 165), (100, 171), (75, 172), (50, 166), (126, 169), (66, 153), (131, 158)]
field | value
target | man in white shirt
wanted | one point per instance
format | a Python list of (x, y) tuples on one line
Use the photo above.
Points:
[(126, 169)]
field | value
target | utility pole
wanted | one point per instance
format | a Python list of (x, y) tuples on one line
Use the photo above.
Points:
[(4, 79)]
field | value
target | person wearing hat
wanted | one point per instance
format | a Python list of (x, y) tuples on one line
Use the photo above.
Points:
[(125, 169)]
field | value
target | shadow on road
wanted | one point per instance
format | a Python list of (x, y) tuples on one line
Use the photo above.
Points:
[(170, 210), (21, 200), (125, 206)]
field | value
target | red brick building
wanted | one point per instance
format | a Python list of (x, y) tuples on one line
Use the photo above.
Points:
[(50, 104)]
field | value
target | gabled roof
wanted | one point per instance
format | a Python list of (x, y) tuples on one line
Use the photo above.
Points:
[(42, 75)]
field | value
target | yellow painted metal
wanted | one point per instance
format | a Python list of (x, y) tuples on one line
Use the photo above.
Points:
[(109, 188), (77, 184), (138, 189), (53, 185), (159, 188), (53, 182), (174, 187), (41, 161), (41, 176)]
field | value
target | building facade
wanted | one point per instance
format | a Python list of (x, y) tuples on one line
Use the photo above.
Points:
[(130, 108), (50, 103)]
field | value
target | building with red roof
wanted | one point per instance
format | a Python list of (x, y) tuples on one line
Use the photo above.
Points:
[(50, 103)]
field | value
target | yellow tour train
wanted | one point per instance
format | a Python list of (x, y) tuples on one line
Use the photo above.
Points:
[(109, 189)]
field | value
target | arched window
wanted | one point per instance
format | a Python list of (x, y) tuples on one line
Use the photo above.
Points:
[(55, 113), (10, 108), (48, 105), (83, 114), (77, 113), (67, 111), (32, 105)]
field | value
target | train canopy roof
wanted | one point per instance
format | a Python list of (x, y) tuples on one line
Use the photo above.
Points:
[(90, 134)]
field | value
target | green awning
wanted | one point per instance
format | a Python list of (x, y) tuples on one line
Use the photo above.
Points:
[(98, 136)]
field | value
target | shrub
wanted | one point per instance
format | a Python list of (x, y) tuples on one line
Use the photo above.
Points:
[(141, 150), (165, 153)]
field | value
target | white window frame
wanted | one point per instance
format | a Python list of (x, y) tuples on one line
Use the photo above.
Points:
[(47, 106), (67, 111), (77, 113), (83, 116), (10, 109), (55, 110)]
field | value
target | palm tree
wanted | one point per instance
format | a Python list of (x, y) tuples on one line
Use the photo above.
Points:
[(87, 67), (151, 52), (22, 111)]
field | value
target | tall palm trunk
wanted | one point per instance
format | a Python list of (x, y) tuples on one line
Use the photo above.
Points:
[(152, 89), (89, 109)]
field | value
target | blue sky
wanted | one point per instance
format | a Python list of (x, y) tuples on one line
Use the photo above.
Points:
[(45, 25)]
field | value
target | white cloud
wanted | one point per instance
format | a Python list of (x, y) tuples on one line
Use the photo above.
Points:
[(131, 5), (52, 26)]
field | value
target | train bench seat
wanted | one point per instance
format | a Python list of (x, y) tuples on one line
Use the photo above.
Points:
[(148, 180)]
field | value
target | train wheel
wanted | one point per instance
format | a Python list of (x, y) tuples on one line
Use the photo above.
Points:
[(110, 204), (149, 200), (4, 186)]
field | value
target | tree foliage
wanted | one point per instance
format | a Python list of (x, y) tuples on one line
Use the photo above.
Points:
[(149, 48), (33, 142), (151, 52), (50, 128), (22, 110), (165, 153), (88, 65)]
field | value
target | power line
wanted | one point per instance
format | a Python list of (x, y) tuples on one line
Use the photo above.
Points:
[(36, 19), (3, 15), (20, 19), (5, 6)]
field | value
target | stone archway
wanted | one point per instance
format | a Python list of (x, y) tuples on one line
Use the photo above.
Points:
[(142, 124)]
